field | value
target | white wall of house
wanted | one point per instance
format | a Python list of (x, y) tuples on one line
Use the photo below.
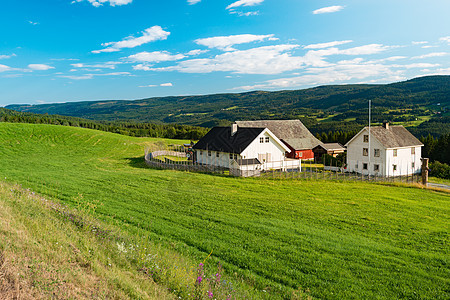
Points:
[(406, 162), (215, 158)]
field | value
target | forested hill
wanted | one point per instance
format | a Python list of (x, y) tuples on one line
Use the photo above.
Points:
[(407, 101)]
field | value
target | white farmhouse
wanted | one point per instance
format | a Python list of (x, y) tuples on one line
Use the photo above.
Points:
[(244, 148), (386, 151)]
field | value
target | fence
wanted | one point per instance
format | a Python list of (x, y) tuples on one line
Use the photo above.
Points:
[(178, 158)]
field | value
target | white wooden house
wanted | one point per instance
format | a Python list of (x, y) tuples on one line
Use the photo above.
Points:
[(386, 151), (243, 148)]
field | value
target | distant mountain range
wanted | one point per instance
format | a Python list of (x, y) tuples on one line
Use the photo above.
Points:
[(407, 101)]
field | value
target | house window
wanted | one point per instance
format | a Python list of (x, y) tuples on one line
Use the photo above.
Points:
[(395, 152), (376, 168), (235, 156), (366, 138), (261, 140), (300, 154), (201, 152), (394, 167), (267, 139), (356, 166), (413, 165), (413, 150), (209, 153), (364, 166), (365, 151), (231, 155), (376, 153), (217, 154)]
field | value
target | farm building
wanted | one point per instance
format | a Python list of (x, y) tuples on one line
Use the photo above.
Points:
[(292, 133), (332, 149), (386, 151), (255, 148)]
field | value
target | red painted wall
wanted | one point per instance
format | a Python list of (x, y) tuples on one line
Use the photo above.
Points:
[(301, 154)]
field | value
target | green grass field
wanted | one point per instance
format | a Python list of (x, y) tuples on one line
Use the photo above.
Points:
[(347, 240)]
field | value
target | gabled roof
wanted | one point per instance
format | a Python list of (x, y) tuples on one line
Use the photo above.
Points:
[(220, 139), (331, 146), (292, 132), (394, 137)]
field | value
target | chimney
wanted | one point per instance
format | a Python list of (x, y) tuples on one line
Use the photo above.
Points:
[(386, 125), (234, 129)]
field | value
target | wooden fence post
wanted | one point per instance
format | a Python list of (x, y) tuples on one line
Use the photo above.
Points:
[(425, 171)]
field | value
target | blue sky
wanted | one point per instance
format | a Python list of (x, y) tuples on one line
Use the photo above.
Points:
[(72, 50)]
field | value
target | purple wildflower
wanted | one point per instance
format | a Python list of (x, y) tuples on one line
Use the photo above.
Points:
[(210, 294), (199, 279)]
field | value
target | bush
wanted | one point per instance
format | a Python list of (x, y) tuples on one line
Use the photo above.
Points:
[(440, 170)]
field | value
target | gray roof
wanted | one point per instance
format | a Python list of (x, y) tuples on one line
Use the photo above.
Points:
[(248, 162), (220, 139), (331, 146), (291, 132), (394, 137)]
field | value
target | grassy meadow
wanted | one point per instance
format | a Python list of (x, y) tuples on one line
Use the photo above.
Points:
[(331, 240)]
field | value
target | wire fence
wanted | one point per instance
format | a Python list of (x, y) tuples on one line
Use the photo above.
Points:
[(181, 158)]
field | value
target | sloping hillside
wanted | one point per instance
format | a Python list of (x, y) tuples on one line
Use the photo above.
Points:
[(272, 237), (210, 110)]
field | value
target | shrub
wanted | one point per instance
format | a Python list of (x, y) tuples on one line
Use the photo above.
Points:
[(440, 170)]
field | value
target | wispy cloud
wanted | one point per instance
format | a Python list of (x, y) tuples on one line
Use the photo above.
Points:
[(226, 43), (91, 76), (196, 52), (98, 3), (33, 23), (107, 65), (168, 84), (244, 3), (445, 39), (151, 34), (39, 67), (4, 68), (7, 56), (419, 43), (156, 56), (192, 2), (327, 45), (434, 54), (328, 9)]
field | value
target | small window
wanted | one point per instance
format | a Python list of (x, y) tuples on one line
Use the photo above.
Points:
[(235, 156), (356, 166), (217, 154), (413, 165), (413, 150), (366, 138), (365, 151), (209, 153), (231, 155), (201, 152), (376, 168), (376, 152), (261, 140), (300, 154), (364, 166), (395, 152), (267, 139), (394, 167)]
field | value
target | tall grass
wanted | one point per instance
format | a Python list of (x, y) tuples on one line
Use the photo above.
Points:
[(271, 237)]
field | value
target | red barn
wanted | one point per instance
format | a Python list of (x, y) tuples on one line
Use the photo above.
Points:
[(292, 133)]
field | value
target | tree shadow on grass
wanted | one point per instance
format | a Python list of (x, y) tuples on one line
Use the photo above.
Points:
[(137, 162)]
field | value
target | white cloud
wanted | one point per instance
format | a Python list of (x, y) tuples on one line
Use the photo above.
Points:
[(156, 56), (39, 67), (226, 43), (166, 84), (7, 56), (262, 60), (33, 23), (441, 71), (428, 46), (151, 34), (327, 45), (329, 9), (433, 54), (4, 68), (191, 2), (244, 3), (108, 65), (246, 14), (445, 39), (196, 52), (417, 65), (419, 43), (98, 3), (91, 76)]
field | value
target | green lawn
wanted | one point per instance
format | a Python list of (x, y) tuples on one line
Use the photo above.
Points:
[(347, 240)]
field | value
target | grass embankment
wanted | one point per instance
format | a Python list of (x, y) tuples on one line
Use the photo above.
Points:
[(338, 240)]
